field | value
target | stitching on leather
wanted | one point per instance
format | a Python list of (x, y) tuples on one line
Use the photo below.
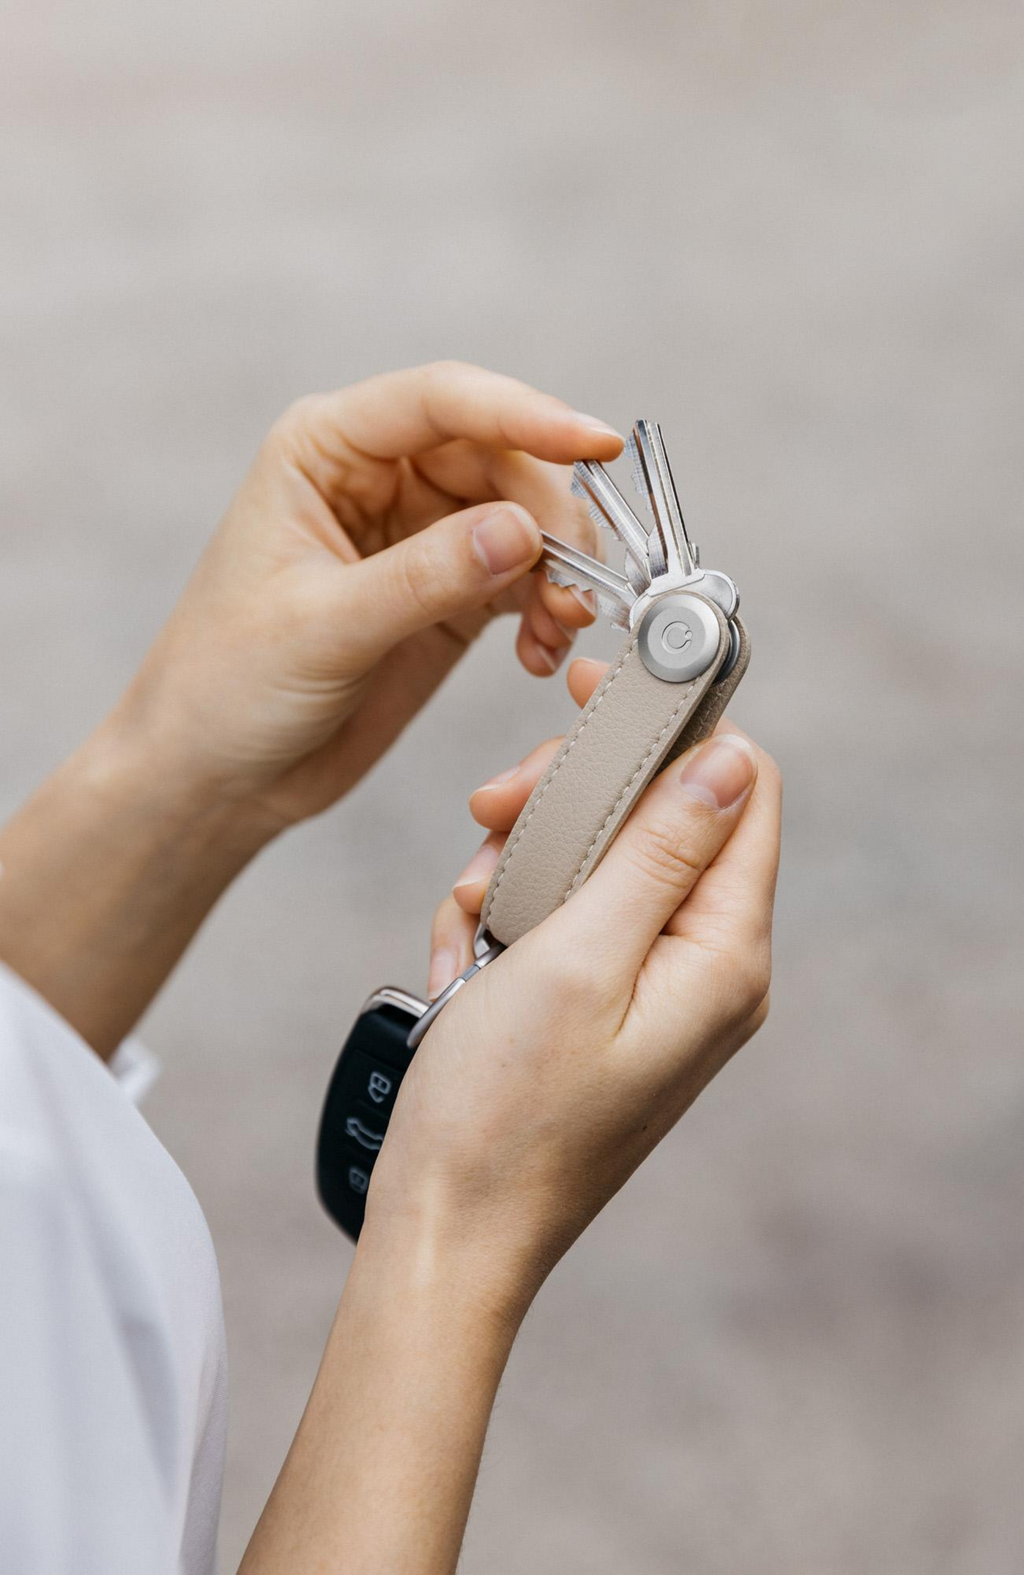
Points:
[(580, 730), (578, 875)]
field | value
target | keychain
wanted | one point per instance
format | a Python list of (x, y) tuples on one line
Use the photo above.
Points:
[(684, 653)]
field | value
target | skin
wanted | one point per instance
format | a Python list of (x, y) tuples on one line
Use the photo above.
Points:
[(343, 584)]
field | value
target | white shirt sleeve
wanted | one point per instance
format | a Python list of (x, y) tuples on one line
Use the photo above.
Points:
[(111, 1342)]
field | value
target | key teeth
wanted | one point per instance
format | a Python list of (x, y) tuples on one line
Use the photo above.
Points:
[(580, 472), (639, 480), (613, 612), (578, 490), (606, 605), (597, 514), (558, 575)]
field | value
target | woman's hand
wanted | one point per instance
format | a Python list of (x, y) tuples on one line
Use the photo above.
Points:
[(539, 1089), (543, 1085), (378, 531)]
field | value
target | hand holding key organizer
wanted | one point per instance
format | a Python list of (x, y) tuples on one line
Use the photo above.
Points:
[(684, 653)]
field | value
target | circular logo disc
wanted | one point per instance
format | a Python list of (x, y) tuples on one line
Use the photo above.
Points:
[(679, 637)]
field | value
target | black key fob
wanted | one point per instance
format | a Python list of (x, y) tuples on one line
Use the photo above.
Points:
[(359, 1102)]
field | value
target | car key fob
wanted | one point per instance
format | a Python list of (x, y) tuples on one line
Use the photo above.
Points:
[(359, 1101)]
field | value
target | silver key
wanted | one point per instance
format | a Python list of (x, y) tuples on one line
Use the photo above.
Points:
[(568, 566), (658, 562), (653, 476), (592, 483)]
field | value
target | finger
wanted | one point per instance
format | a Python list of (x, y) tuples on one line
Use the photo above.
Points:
[(545, 638), (680, 824), (550, 614), (454, 566), (451, 946), (568, 605), (476, 473), (538, 656), (497, 804), (543, 623), (725, 926), (406, 412), (733, 901), (583, 678), (471, 885), (551, 619)]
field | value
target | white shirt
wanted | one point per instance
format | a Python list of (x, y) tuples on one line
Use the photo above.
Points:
[(112, 1365)]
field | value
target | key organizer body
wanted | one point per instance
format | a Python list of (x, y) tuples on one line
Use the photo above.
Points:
[(632, 726)]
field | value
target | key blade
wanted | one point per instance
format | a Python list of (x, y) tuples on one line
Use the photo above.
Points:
[(655, 546), (637, 576), (656, 475), (568, 566), (609, 508)]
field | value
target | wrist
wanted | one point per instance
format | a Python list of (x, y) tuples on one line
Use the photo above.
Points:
[(108, 871), (433, 1245), (134, 758)]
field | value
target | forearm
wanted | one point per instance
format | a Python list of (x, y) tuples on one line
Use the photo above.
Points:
[(108, 871), (382, 1469)]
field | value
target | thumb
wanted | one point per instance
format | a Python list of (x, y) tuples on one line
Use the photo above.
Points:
[(453, 566), (682, 821)]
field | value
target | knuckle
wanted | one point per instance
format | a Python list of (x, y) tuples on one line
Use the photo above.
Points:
[(445, 370), (571, 975), (662, 854), (295, 420), (568, 973), (749, 980), (761, 1014), (416, 580)]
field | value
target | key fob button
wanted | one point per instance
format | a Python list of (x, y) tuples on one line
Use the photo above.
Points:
[(364, 1130), (375, 1083), (357, 1177)]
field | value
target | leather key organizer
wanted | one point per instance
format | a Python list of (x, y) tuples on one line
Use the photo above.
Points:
[(632, 726), (683, 655)]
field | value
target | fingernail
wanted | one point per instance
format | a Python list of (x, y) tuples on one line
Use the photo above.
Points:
[(504, 539), (444, 967), (552, 659), (479, 867), (596, 426), (586, 599), (719, 772), (503, 776)]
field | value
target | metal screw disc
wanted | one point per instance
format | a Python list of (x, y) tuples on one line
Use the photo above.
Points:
[(679, 637)]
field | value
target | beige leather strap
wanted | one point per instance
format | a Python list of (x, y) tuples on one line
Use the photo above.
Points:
[(633, 724)]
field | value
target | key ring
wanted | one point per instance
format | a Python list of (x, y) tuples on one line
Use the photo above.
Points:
[(486, 948)]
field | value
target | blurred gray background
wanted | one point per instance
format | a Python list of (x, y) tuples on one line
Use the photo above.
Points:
[(795, 235)]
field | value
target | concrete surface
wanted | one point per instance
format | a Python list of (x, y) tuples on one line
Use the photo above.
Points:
[(795, 235)]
